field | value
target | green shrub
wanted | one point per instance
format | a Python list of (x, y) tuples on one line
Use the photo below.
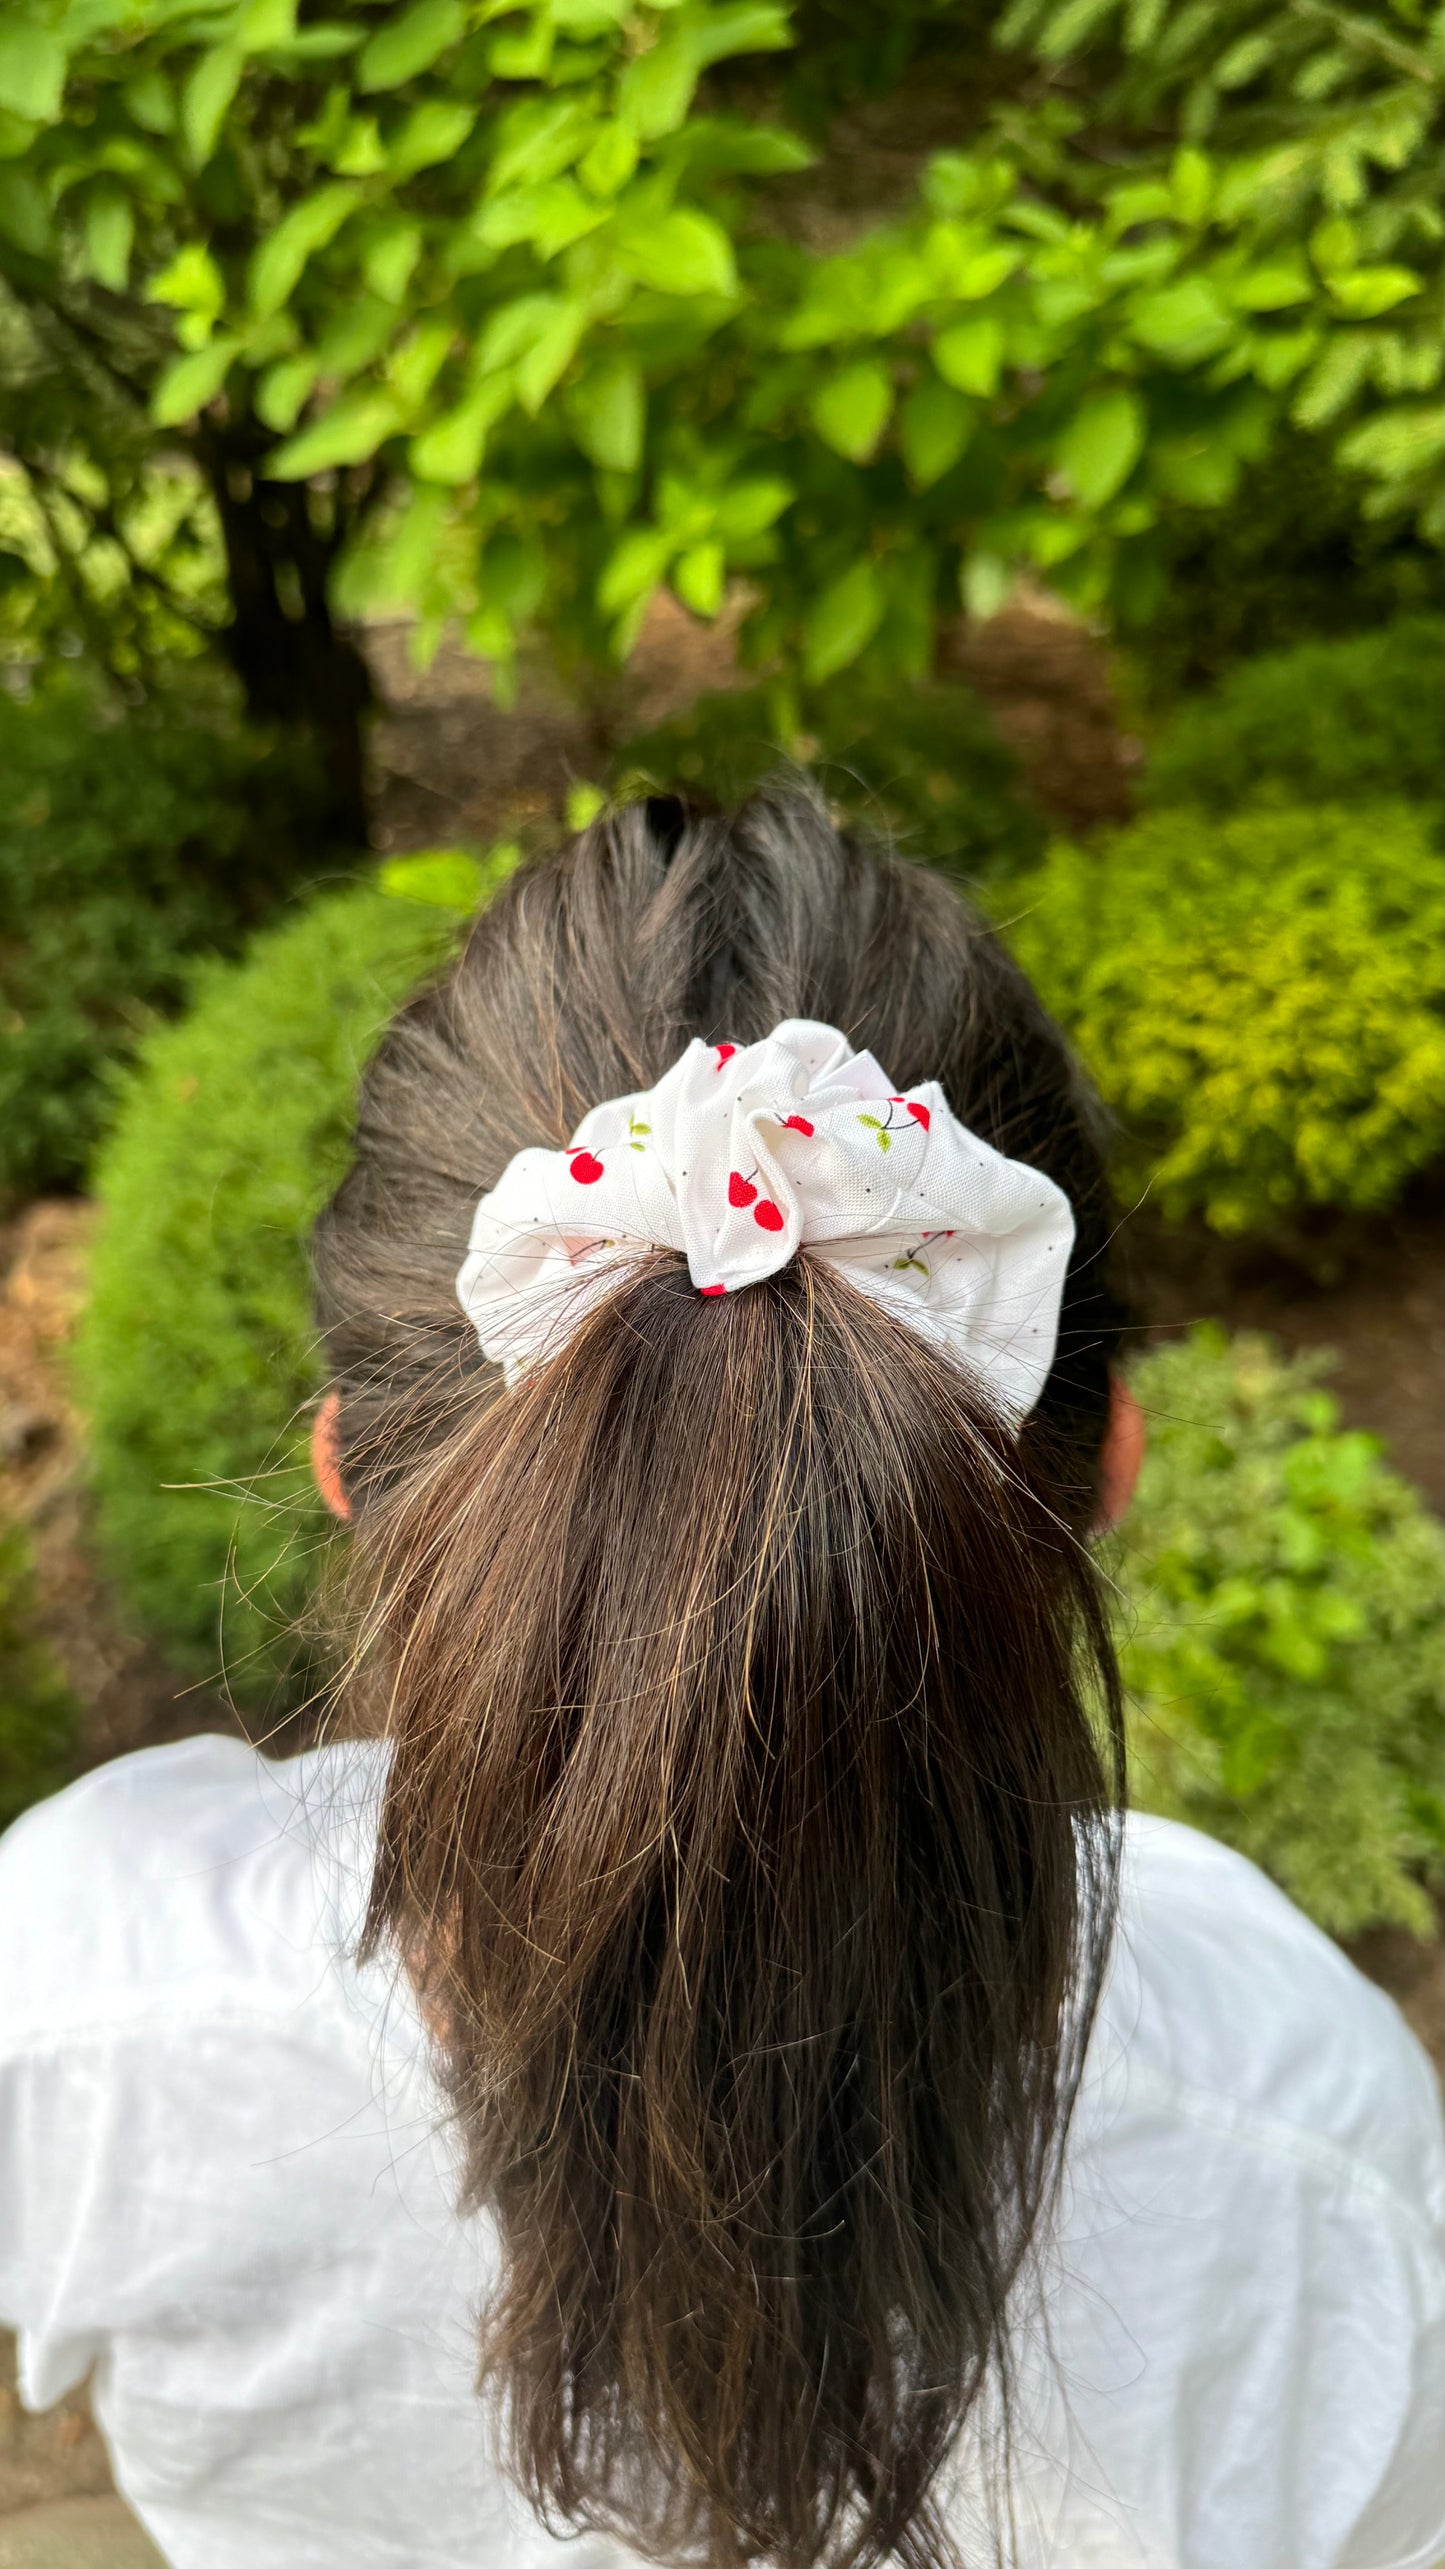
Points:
[(1327, 722), (38, 1715), (130, 841), (196, 1351), (1282, 1637), (1291, 560), (920, 764), (1258, 999)]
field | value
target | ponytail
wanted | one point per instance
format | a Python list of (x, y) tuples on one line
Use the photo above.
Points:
[(755, 1736)]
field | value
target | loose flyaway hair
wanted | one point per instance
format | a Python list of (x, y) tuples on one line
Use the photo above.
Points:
[(750, 1822)]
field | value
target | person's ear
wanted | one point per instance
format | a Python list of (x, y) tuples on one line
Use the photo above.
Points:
[(1121, 1456), (326, 1457)]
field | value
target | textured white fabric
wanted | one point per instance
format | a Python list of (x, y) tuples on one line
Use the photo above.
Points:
[(223, 2186), (743, 1154)]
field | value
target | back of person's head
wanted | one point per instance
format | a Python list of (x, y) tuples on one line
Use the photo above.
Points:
[(750, 1815)]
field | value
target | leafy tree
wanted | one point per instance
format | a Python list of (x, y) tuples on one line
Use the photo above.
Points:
[(505, 309)]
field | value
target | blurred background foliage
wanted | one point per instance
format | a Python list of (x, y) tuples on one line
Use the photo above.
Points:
[(840, 329), (39, 1716), (133, 838), (1282, 1636)]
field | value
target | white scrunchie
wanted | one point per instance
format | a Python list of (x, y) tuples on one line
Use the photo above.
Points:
[(743, 1154)]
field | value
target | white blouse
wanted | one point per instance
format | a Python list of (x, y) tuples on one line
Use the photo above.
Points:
[(225, 2193)]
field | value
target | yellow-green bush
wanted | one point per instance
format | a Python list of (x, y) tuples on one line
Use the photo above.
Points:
[(196, 1354), (1258, 999), (1282, 1628), (38, 1714)]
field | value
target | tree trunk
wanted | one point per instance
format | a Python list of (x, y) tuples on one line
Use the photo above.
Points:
[(291, 661)]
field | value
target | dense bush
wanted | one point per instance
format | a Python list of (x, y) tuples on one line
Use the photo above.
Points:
[(1257, 997), (131, 840), (1356, 720), (38, 1714), (196, 1354), (1291, 560), (922, 765), (1283, 1630)]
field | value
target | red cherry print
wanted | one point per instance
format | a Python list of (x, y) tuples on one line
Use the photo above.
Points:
[(724, 1053), (707, 1291), (741, 1190), (919, 1113), (798, 1124), (585, 1168), (768, 1217)]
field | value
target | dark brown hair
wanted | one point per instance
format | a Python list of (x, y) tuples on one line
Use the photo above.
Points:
[(750, 1817)]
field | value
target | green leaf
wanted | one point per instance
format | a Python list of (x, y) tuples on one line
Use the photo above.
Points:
[(843, 622), (277, 264), (188, 383), (609, 163), (1183, 321), (1191, 184), (583, 804), (1400, 441), (451, 450), (851, 410), (410, 43), (1201, 473), (984, 585), (522, 56), (325, 41), (550, 216), (390, 257), (700, 579), (1101, 444), (151, 100), (1367, 292), (680, 253), (359, 153), (1070, 27), (969, 355), (537, 140), (32, 71), (441, 879), (413, 367), (356, 333), (433, 132), (24, 210), (747, 508), (348, 433), (283, 391), (607, 413), (550, 353), (981, 272), (109, 235), (934, 428), (267, 24), (207, 95), (655, 91), (1271, 287), (633, 569), (191, 283)]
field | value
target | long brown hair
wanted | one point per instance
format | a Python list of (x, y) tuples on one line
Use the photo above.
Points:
[(756, 1741)]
